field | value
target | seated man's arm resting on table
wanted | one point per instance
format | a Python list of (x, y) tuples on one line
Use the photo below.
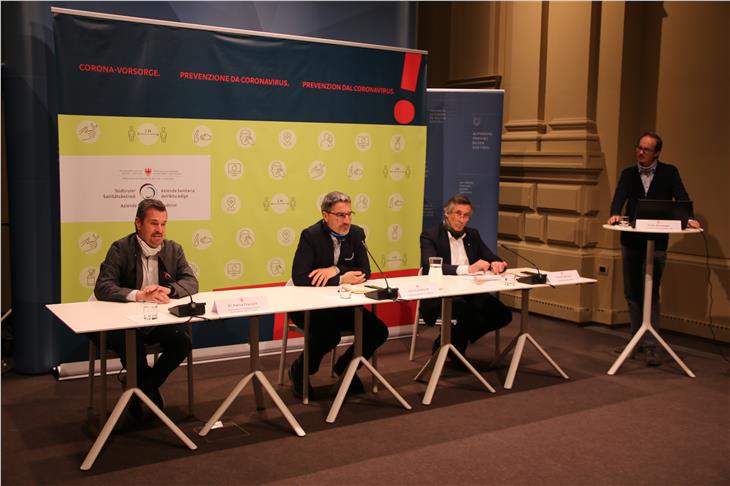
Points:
[(305, 271), (486, 259), (486, 256)]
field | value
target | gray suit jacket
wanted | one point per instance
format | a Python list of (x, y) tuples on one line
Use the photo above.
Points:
[(121, 271)]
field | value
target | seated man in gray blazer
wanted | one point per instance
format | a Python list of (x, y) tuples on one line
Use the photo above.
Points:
[(145, 267)]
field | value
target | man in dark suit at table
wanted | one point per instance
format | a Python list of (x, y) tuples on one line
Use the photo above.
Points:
[(463, 252), (648, 179), (332, 252), (145, 267)]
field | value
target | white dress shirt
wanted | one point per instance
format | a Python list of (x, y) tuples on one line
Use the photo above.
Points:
[(458, 254)]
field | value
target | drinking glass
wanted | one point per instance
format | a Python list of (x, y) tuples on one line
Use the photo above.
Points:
[(345, 292), (435, 269)]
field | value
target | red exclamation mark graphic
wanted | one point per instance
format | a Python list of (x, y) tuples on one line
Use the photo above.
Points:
[(404, 111)]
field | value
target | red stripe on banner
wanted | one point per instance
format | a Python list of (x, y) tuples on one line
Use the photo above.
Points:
[(411, 66), (278, 326)]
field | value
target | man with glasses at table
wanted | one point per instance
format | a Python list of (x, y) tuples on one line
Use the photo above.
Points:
[(648, 179), (332, 252), (463, 252)]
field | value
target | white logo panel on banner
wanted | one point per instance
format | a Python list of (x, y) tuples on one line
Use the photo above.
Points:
[(114, 185)]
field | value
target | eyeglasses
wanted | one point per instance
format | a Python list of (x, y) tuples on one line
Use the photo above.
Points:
[(460, 215), (644, 149), (342, 215)]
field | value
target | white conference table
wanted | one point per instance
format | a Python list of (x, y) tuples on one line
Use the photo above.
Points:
[(646, 325), (451, 286), (96, 316)]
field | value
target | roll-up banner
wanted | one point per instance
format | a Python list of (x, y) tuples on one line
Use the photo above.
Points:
[(240, 134), (464, 146)]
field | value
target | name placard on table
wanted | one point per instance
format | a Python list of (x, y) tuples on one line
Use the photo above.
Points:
[(418, 291), (238, 305), (658, 224), (565, 276)]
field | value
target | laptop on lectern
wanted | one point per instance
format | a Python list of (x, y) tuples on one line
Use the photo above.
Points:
[(664, 209)]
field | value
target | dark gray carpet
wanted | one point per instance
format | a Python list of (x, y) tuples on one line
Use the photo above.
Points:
[(642, 426)]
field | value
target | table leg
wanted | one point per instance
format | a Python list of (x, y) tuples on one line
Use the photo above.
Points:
[(305, 381), (253, 344), (440, 356), (518, 343), (646, 319), (130, 337), (352, 369), (103, 376), (260, 381)]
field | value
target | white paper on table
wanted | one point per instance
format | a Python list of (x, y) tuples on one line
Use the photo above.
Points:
[(480, 277), (357, 289)]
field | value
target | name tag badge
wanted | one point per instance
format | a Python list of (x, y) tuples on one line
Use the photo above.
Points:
[(418, 291), (240, 305), (566, 276)]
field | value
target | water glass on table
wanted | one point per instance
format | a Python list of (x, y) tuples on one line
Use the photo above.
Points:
[(435, 269), (345, 292)]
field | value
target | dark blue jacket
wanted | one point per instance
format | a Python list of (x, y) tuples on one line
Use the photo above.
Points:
[(316, 250), (666, 185)]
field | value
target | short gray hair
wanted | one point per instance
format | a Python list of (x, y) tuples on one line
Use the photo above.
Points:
[(457, 199), (333, 198)]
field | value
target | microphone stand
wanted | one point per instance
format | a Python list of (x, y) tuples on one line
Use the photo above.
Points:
[(388, 293), (540, 278), (185, 310)]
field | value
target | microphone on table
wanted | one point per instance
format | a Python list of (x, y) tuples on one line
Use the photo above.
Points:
[(190, 309), (533, 279), (387, 293)]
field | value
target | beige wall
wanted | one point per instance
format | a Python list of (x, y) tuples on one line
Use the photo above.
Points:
[(582, 80)]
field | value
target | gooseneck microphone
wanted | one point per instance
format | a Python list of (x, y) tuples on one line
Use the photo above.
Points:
[(185, 310), (387, 293), (533, 279)]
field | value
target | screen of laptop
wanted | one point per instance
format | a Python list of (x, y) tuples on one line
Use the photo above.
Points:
[(664, 209)]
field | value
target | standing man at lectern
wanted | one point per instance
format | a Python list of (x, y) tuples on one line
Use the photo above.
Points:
[(463, 252), (648, 179), (332, 252), (144, 267)]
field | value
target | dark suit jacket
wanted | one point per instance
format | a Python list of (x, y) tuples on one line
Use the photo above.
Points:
[(666, 184), (121, 271), (435, 242), (316, 250)]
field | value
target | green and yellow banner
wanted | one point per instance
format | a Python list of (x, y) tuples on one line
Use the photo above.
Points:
[(240, 134)]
